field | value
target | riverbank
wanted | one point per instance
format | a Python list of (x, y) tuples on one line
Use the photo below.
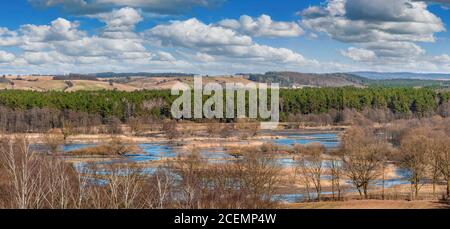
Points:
[(370, 204), (197, 137)]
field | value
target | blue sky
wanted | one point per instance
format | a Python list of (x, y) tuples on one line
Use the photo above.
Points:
[(223, 36)]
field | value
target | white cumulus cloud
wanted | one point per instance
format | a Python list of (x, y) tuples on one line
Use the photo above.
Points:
[(263, 26), (387, 32), (120, 23), (89, 7), (358, 54), (215, 40), (6, 57)]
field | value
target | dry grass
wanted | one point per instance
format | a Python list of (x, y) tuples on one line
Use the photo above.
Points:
[(90, 85), (168, 82), (40, 85), (46, 83), (113, 150), (370, 204)]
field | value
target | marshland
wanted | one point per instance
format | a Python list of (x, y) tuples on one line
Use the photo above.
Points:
[(335, 148)]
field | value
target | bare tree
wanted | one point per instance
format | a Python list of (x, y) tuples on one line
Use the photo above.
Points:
[(161, 185), (59, 185), (362, 155), (53, 140), (136, 125), (336, 175), (114, 126), (302, 170), (124, 186), (259, 176), (189, 169), (170, 129), (414, 158), (25, 174), (443, 162), (311, 166)]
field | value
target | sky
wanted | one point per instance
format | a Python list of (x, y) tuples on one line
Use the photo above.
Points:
[(224, 36)]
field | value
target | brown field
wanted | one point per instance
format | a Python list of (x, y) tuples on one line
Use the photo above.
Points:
[(46, 83), (159, 83), (90, 85), (371, 204), (34, 83)]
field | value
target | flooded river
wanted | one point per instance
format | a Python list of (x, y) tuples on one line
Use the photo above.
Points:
[(155, 152)]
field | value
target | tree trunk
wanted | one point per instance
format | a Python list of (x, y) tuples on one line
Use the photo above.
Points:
[(382, 191), (434, 188), (360, 193), (332, 188), (319, 190), (365, 192), (416, 190), (448, 189), (339, 191), (435, 178)]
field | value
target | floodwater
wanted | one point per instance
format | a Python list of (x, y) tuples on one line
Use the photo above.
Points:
[(290, 138), (159, 151), (402, 179), (154, 152)]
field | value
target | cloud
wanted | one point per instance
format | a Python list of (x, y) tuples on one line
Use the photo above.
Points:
[(358, 54), (435, 1), (203, 57), (62, 43), (59, 30), (98, 46), (192, 46), (443, 59), (40, 58), (374, 21), (262, 26), (8, 38), (163, 56), (120, 23), (193, 33), (89, 7), (386, 31), (6, 57), (215, 40)]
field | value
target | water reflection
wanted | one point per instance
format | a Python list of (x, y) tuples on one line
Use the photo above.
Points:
[(152, 152), (329, 140)]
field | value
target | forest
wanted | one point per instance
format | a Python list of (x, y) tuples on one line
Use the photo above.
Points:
[(30, 111)]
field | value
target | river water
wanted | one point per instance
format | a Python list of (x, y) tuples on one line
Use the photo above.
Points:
[(152, 152)]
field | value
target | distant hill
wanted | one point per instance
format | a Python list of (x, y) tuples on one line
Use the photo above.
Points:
[(140, 74), (158, 81), (402, 75), (296, 79), (407, 83)]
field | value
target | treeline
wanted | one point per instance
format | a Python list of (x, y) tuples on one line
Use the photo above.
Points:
[(75, 77), (34, 111), (398, 100), (289, 79)]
